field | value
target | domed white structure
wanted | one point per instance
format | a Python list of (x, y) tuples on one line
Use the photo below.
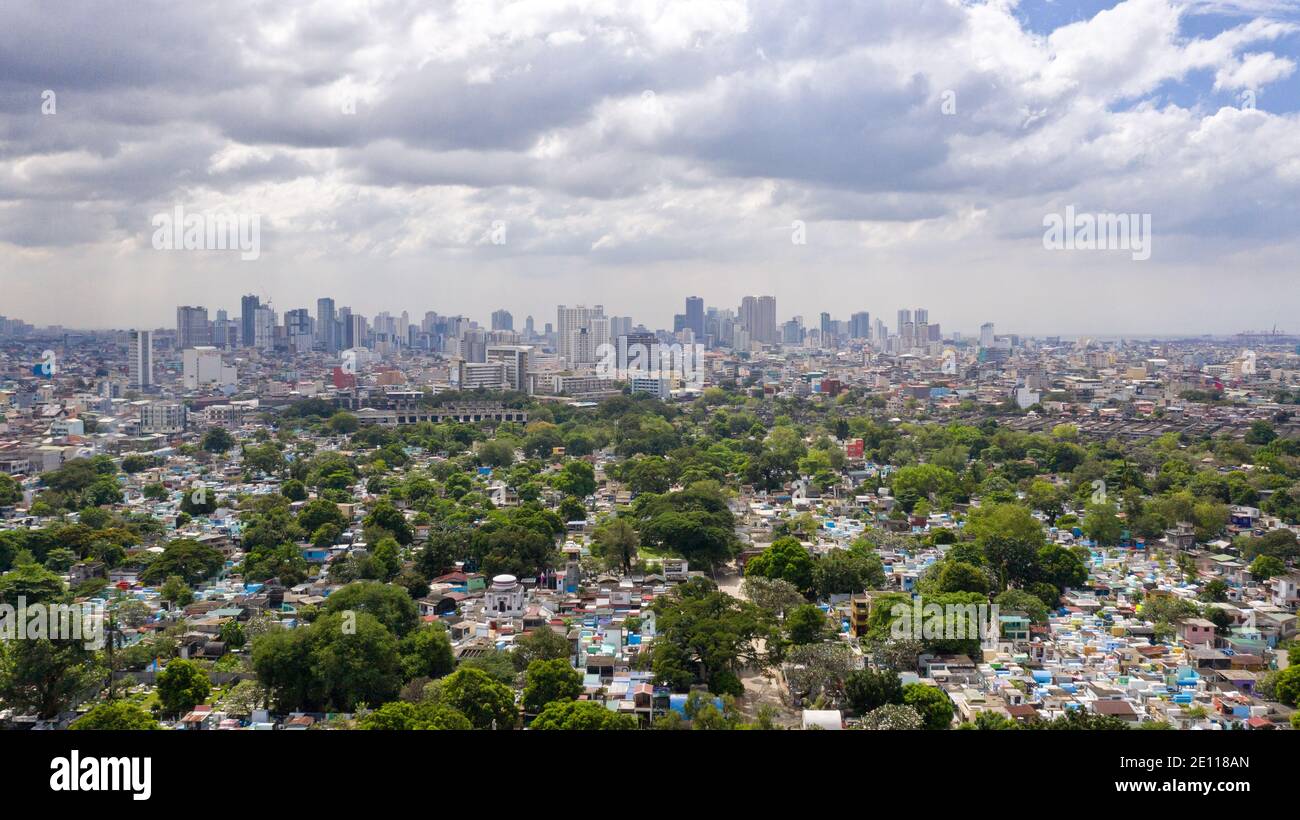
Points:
[(505, 598)]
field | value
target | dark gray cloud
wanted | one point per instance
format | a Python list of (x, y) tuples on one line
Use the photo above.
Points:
[(654, 147)]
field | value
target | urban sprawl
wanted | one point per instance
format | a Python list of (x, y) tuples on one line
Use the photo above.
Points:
[(321, 520)]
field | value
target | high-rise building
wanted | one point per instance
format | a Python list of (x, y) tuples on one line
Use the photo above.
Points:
[(860, 325), (986, 335), (248, 307), (515, 359), (758, 318), (695, 315), (263, 328), (140, 364), (904, 328), (502, 320), (225, 333), (619, 326), (297, 326), (326, 332), (571, 319), (192, 328), (357, 330)]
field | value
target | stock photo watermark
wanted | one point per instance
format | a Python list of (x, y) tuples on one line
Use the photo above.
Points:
[(208, 231), (960, 622), (652, 361), (54, 622), (1102, 231)]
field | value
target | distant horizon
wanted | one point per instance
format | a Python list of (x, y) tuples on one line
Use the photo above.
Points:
[(1097, 167)]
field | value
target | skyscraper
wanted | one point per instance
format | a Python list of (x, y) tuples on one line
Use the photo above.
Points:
[(502, 320), (140, 365), (326, 333), (297, 326), (192, 328), (695, 315), (860, 325), (570, 319), (758, 318), (248, 307), (986, 334)]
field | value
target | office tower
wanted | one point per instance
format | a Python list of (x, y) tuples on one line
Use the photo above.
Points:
[(140, 367), (935, 334), (792, 332), (571, 319), (986, 334), (825, 327), (225, 333), (882, 331), (530, 330), (192, 327), (502, 320), (515, 359), (679, 322), (860, 325), (326, 334), (600, 335), (343, 328), (581, 347), (619, 326), (473, 343), (695, 315), (758, 318), (248, 307), (297, 326), (922, 316), (357, 330), (263, 328)]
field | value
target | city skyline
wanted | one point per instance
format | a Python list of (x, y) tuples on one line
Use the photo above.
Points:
[(567, 168)]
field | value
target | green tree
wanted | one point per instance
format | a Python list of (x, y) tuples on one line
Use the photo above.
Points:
[(540, 644), (426, 653), (11, 492), (581, 715), (931, 703), (115, 716), (616, 541), (547, 681), (1102, 524), (192, 561), (294, 490), (402, 716), (576, 478), (182, 685), (217, 440), (869, 689), (390, 604), (703, 632), (1265, 567), (1009, 537), (485, 702), (785, 559), (807, 624), (850, 571)]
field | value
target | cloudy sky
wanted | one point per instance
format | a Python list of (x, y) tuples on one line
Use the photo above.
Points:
[(460, 157)]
